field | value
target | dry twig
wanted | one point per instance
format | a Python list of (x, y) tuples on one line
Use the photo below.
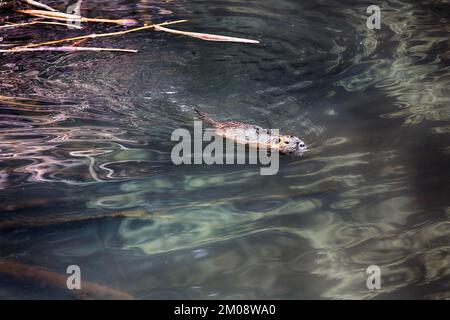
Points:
[(39, 5), (53, 14), (205, 36), (64, 49), (101, 35), (15, 25), (72, 17)]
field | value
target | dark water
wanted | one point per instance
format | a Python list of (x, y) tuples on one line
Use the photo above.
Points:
[(86, 176)]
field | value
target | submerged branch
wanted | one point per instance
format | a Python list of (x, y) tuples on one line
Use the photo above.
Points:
[(89, 290), (44, 221)]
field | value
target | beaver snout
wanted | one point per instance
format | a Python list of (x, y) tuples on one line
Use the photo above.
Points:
[(300, 145)]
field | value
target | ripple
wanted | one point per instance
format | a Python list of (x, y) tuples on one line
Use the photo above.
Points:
[(85, 144)]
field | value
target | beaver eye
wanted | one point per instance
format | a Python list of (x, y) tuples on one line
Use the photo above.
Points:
[(286, 142)]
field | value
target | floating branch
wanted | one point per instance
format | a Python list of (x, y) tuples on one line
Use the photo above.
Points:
[(46, 46), (64, 49), (15, 25), (205, 36), (94, 35), (89, 290), (72, 17), (76, 43), (39, 5)]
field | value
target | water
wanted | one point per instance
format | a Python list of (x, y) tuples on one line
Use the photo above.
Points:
[(86, 176)]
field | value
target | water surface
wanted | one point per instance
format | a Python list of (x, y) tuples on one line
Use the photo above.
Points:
[(86, 176)]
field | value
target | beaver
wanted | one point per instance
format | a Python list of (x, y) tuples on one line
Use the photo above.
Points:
[(255, 136)]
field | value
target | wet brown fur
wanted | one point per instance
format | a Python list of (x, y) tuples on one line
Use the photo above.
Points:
[(278, 142)]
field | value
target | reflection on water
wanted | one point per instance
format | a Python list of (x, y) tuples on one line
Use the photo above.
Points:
[(86, 176)]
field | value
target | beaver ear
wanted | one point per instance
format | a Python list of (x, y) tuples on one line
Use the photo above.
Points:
[(278, 140), (257, 130)]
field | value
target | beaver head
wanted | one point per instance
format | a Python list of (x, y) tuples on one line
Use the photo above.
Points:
[(291, 144)]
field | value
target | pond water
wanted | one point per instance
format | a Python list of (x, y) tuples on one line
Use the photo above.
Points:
[(86, 176)]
